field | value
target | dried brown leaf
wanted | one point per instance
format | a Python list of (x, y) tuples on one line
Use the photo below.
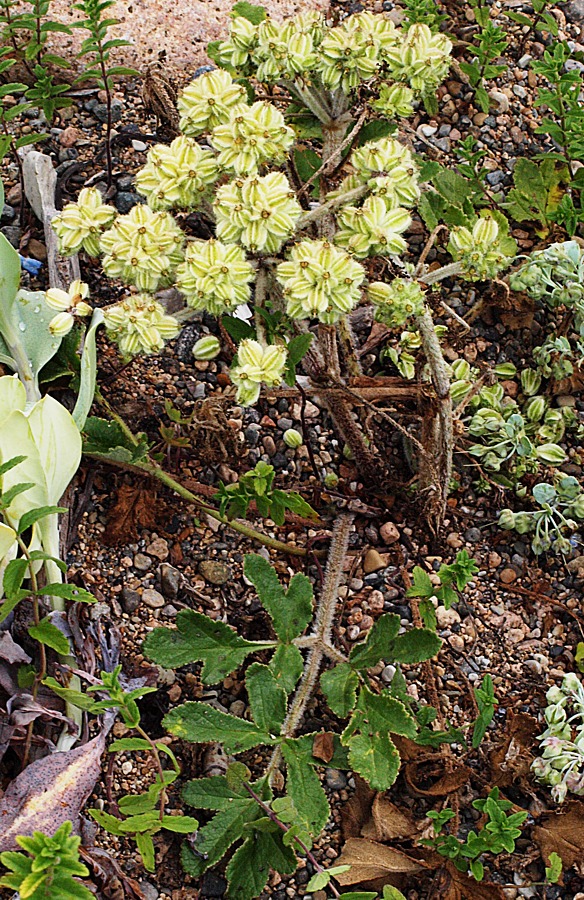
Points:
[(49, 792), (11, 651), (370, 860), (323, 746), (450, 884), (357, 811), (562, 833), (388, 823), (512, 759), (418, 774), (133, 509)]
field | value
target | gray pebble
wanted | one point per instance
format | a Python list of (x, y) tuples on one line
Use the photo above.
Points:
[(125, 201), (472, 535), (519, 91), (125, 182), (212, 886), (170, 580), (169, 611), (444, 130), (284, 424), (149, 891), (387, 674), (252, 435), (142, 562), (335, 779), (153, 599), (443, 144), (100, 111), (130, 600), (12, 234), (495, 177), (8, 214)]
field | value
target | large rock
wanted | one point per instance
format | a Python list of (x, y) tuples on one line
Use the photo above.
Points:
[(181, 27)]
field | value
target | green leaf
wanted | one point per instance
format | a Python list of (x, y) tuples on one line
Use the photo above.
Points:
[(287, 665), (304, 787), (125, 744), (307, 162), (416, 645), (290, 611), (123, 70), (11, 464), (375, 130), (452, 186), (422, 586), (267, 699), (107, 440), (201, 723), (553, 872), (145, 845), (88, 372), (298, 346), (249, 867), (180, 824), (13, 492), (109, 823), (76, 698), (339, 686), (375, 758), (29, 518), (250, 11), (197, 638), (237, 328), (14, 575), (67, 592), (378, 643), (47, 633)]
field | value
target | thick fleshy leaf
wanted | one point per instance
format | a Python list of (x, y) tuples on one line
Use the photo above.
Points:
[(59, 445), (12, 396)]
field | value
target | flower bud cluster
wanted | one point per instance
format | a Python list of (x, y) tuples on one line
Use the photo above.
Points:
[(561, 764), (482, 252), (561, 505), (373, 229), (259, 212), (143, 248), (289, 49), (68, 304), (421, 58), (177, 176), (389, 170), (139, 324), (251, 136), (350, 53), (396, 302), (208, 101), (255, 365), (214, 276), (80, 224), (321, 281), (395, 101), (555, 275)]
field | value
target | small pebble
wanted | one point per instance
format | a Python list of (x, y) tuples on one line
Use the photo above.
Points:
[(153, 598), (508, 576)]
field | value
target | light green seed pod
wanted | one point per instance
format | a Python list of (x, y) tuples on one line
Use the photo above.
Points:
[(331, 479), (207, 347), (293, 438)]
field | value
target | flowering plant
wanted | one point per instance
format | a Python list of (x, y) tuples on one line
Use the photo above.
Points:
[(561, 765)]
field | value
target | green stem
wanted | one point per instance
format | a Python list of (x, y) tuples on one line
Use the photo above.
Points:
[(330, 206), (453, 268)]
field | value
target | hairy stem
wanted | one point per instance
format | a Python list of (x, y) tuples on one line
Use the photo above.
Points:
[(321, 632)]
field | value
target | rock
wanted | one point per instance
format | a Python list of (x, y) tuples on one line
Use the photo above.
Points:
[(387, 674), (158, 548), (472, 535), (125, 201), (508, 576), (12, 234), (130, 600), (373, 562), (170, 580), (100, 111), (214, 571), (149, 891), (574, 12), (70, 136), (142, 562), (8, 214), (576, 566), (500, 101), (14, 195), (335, 779), (454, 540), (153, 599), (494, 560), (37, 249), (389, 533), (212, 885), (446, 617)]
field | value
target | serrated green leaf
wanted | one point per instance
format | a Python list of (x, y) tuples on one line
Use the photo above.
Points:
[(29, 518), (267, 699), (47, 633), (67, 592), (378, 643), (201, 723), (375, 758), (416, 645), (304, 787), (197, 638), (339, 686), (14, 575), (290, 611), (124, 744), (422, 586), (250, 11), (216, 837), (287, 665), (109, 823), (375, 130), (76, 698), (107, 440), (249, 867)]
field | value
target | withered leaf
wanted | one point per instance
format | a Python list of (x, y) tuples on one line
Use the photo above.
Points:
[(387, 822), (133, 509), (512, 758), (563, 833), (450, 884), (49, 792), (418, 774), (370, 860), (323, 746), (357, 811), (11, 651)]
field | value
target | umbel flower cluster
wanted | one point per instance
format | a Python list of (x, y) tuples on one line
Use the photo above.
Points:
[(556, 276), (228, 162), (561, 764)]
